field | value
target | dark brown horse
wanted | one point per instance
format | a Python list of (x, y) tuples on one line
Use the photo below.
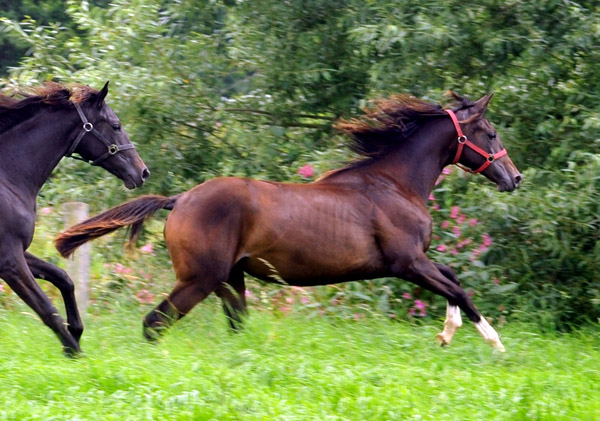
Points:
[(364, 221), (36, 132)]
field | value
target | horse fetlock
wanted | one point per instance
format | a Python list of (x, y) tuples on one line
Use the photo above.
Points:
[(489, 334)]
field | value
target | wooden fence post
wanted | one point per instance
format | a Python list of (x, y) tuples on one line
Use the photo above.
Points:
[(78, 266)]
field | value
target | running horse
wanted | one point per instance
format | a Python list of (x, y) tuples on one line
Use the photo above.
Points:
[(36, 132), (366, 220)]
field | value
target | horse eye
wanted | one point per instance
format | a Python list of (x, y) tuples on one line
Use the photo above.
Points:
[(492, 136), (117, 127)]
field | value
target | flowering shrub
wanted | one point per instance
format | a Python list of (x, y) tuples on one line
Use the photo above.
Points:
[(306, 171)]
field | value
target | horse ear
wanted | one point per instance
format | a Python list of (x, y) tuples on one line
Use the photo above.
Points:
[(481, 105), (101, 95), (456, 97)]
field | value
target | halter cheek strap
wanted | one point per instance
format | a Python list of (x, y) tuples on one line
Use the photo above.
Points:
[(463, 141), (88, 127)]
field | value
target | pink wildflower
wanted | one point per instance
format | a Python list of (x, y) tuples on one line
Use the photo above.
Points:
[(422, 312), (407, 296), (144, 296), (419, 305), (454, 252), (289, 300), (147, 248), (447, 171), (306, 171), (1, 287), (441, 248), (435, 206), (456, 230), (119, 268), (454, 212), (461, 218), (412, 311), (431, 197), (473, 222), (496, 281), (46, 211), (445, 224), (487, 240)]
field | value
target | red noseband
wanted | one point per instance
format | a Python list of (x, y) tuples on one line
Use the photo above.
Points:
[(463, 141)]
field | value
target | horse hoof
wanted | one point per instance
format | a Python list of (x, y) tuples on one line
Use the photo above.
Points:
[(73, 353), (499, 347), (442, 340)]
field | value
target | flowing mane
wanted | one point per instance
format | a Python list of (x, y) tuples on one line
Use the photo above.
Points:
[(386, 123), (20, 106)]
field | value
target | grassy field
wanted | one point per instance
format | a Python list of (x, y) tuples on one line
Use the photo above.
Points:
[(294, 368)]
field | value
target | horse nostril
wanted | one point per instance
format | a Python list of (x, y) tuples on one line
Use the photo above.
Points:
[(145, 174), (518, 180)]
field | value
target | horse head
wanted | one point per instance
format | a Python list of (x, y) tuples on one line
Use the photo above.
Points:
[(102, 141), (480, 148)]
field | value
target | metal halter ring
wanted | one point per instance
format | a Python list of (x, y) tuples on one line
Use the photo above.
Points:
[(491, 158), (462, 139), (113, 149), (88, 127)]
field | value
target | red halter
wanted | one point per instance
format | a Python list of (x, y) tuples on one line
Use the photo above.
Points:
[(463, 141)]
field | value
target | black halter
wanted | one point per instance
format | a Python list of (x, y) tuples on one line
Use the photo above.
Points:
[(88, 127)]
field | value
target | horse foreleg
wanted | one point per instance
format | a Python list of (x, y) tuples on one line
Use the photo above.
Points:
[(60, 279), (424, 273), (453, 319), (17, 275)]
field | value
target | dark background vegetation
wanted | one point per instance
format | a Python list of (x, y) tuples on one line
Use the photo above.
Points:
[(251, 88)]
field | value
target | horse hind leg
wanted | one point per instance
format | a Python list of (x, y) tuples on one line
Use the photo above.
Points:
[(233, 296), (180, 301)]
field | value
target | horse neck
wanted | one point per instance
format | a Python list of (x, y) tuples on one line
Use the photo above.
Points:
[(416, 164), (32, 149)]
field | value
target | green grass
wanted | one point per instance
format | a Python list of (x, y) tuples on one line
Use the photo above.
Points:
[(294, 368)]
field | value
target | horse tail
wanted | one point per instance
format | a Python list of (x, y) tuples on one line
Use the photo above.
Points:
[(132, 213)]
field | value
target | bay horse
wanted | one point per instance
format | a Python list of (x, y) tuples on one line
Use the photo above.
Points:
[(366, 220), (36, 132)]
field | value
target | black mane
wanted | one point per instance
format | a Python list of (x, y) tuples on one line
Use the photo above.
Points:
[(21, 106)]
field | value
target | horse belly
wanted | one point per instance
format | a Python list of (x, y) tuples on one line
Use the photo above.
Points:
[(318, 262)]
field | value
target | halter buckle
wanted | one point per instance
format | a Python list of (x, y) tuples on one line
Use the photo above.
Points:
[(113, 149)]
